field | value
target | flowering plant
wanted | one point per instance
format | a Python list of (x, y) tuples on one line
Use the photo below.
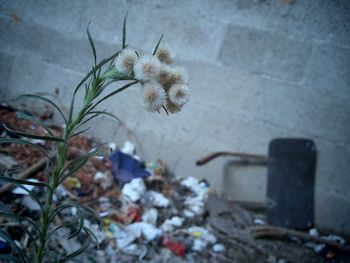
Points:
[(163, 86)]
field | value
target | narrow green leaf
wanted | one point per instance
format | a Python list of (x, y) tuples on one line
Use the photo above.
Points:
[(81, 223), (112, 94), (79, 132), (165, 109), (105, 113), (95, 214), (107, 60), (46, 100), (85, 121), (80, 250), (20, 141), (113, 73), (59, 209), (91, 42), (76, 164), (81, 219), (157, 46), (72, 168), (31, 195), (36, 120), (124, 31), (22, 182), (102, 63), (98, 66), (33, 136), (94, 237), (69, 225), (47, 169)]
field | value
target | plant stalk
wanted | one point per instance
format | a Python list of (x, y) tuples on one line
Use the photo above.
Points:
[(60, 161), (44, 226)]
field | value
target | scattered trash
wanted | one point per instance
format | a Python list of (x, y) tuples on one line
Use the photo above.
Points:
[(60, 193), (149, 215), (72, 183), (336, 238), (218, 248), (126, 167), (319, 248), (177, 247), (112, 146), (134, 190), (259, 221), (314, 232), (136, 250), (128, 148), (105, 180), (195, 204), (202, 238), (156, 199), (148, 231), (169, 225), (123, 237), (30, 203)]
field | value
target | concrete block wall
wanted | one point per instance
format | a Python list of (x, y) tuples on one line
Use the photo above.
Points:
[(259, 69)]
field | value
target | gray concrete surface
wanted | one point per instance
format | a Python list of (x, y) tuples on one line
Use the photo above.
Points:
[(259, 69)]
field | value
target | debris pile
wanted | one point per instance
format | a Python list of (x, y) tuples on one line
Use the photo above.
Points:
[(147, 214)]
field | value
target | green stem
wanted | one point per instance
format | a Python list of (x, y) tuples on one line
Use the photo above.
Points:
[(60, 160), (44, 226), (61, 157)]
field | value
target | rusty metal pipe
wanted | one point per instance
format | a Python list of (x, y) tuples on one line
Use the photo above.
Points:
[(243, 156)]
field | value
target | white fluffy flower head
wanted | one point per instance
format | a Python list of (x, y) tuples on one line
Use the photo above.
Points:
[(178, 75), (125, 61), (172, 108), (178, 94), (165, 55), (164, 76), (153, 96), (147, 68)]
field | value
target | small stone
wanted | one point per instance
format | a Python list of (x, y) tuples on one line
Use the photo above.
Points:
[(219, 248)]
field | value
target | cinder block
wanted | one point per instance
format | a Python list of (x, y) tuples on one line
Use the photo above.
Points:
[(303, 20), (57, 15), (264, 52), (332, 212), (55, 47), (300, 109), (32, 75), (243, 182), (6, 64), (329, 70), (333, 167), (192, 38), (58, 25)]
